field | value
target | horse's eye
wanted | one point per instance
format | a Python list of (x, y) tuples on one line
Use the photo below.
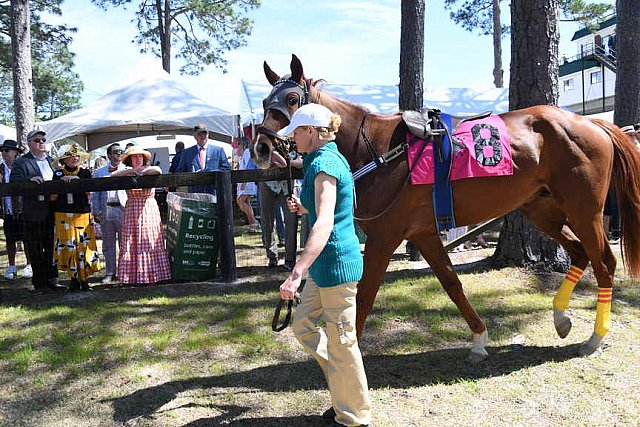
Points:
[(292, 102)]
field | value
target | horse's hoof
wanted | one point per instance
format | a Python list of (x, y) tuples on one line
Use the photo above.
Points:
[(475, 357), (563, 328), (591, 347), (562, 323)]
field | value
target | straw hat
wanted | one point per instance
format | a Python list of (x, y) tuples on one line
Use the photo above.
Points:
[(134, 149), (71, 150)]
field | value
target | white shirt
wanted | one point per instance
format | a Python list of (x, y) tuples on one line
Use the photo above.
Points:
[(45, 169), (8, 209)]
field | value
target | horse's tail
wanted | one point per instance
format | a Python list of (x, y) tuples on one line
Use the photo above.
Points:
[(626, 182)]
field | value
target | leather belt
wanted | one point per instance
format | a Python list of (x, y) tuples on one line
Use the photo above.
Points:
[(113, 204)]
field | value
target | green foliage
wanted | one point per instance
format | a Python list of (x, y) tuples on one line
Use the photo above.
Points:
[(477, 15), (56, 87), (588, 14), (473, 15), (200, 30)]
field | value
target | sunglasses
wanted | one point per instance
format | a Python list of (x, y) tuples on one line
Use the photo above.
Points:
[(117, 151), (39, 140), (6, 150)]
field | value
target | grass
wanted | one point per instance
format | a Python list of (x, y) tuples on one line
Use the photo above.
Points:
[(204, 354)]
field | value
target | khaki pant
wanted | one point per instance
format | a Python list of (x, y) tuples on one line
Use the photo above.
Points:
[(336, 348)]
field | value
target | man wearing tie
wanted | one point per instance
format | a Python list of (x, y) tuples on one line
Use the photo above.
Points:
[(203, 157), (108, 210), (36, 166)]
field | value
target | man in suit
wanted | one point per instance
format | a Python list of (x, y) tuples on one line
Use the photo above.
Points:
[(203, 157), (108, 211), (36, 166)]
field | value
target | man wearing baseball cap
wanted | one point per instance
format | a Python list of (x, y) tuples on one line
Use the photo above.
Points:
[(36, 166)]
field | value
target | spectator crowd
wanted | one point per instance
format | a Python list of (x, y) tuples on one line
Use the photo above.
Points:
[(59, 232)]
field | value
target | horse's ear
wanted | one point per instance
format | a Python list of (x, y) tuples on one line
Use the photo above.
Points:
[(272, 77), (297, 73)]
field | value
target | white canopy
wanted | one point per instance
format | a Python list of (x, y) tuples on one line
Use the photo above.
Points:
[(607, 115), (153, 105), (7, 132)]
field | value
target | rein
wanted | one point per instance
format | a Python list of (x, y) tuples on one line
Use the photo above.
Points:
[(276, 326), (379, 161)]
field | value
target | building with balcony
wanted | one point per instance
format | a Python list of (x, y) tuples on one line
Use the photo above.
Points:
[(588, 79)]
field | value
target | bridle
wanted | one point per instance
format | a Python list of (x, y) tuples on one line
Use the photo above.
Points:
[(277, 100)]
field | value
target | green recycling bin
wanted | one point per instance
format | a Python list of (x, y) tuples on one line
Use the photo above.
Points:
[(192, 236)]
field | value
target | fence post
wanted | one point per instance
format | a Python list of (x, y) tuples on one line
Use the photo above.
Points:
[(225, 227)]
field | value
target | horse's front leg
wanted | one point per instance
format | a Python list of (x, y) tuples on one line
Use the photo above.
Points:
[(377, 254), (433, 251)]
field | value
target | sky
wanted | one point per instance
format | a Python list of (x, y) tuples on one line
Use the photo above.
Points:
[(341, 41)]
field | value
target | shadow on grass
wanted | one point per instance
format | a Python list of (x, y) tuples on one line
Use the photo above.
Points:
[(383, 371)]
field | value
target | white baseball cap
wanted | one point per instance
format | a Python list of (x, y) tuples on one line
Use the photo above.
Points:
[(315, 115)]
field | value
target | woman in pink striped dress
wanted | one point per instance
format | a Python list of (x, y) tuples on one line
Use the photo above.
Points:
[(143, 255)]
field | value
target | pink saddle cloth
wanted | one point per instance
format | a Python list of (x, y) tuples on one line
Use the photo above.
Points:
[(480, 148)]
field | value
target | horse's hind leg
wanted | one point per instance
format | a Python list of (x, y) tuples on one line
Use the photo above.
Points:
[(433, 251), (603, 263), (548, 217), (594, 245)]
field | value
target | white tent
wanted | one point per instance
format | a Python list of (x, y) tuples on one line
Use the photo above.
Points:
[(7, 132), (607, 115), (384, 99), (154, 105)]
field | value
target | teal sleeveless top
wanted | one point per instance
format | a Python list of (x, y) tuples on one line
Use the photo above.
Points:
[(340, 261)]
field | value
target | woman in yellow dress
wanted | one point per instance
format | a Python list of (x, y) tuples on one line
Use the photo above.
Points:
[(75, 251)]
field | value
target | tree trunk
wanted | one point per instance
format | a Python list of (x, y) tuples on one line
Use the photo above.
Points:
[(498, 72), (534, 80), (22, 77), (164, 29), (411, 55), (627, 103), (411, 68), (534, 53)]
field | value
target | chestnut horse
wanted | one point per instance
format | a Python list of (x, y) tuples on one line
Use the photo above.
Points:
[(563, 166)]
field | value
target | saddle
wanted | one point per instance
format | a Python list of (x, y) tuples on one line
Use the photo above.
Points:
[(423, 123), (430, 126)]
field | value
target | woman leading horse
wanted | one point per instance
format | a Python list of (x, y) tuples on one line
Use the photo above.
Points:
[(563, 165)]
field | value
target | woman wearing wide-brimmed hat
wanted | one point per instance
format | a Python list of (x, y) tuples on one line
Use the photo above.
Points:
[(143, 257), (75, 249)]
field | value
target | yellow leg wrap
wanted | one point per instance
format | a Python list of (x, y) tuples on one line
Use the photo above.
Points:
[(603, 311), (561, 301)]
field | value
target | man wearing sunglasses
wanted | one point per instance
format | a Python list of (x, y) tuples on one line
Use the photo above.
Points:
[(36, 166), (202, 157), (108, 211)]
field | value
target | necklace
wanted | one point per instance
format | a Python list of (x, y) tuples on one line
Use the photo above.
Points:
[(70, 172)]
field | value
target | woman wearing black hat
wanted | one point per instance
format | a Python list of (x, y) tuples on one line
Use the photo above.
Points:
[(10, 210)]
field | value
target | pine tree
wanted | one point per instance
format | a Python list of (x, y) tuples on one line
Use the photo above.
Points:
[(201, 30)]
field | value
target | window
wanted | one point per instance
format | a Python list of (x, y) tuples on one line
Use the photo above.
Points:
[(568, 85), (596, 77)]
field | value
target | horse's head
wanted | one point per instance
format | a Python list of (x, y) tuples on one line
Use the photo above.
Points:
[(289, 93)]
